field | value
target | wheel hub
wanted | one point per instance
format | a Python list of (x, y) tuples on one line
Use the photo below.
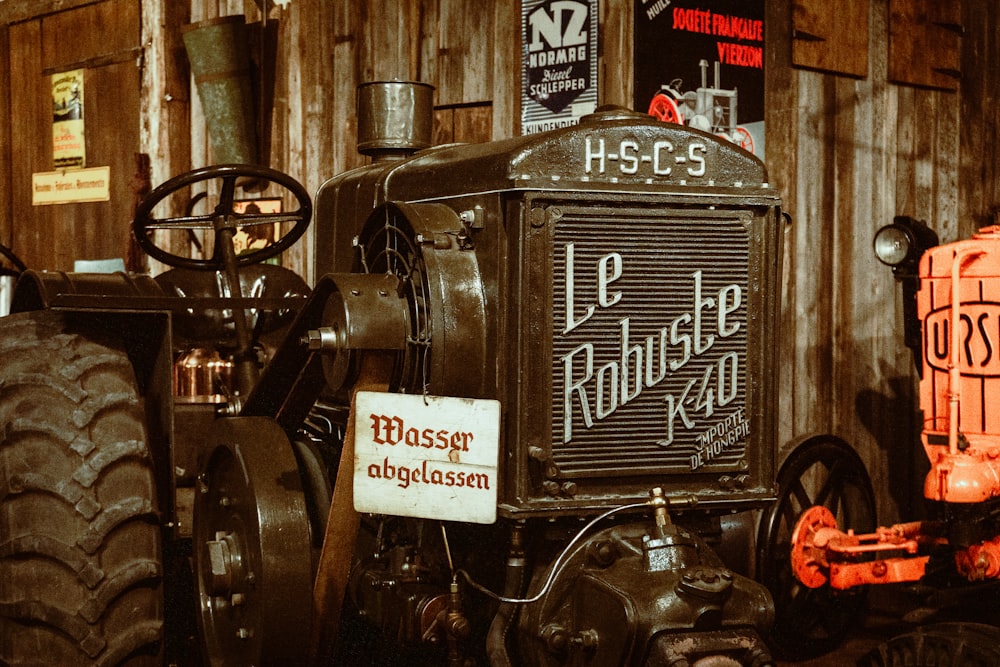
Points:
[(225, 563), (252, 550), (809, 562)]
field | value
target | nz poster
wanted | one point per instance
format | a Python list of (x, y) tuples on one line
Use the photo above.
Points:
[(701, 63), (68, 148), (559, 59)]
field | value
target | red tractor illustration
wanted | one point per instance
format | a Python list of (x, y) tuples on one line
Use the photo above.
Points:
[(707, 109), (952, 324)]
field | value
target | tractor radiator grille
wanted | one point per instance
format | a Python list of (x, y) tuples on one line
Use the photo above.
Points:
[(649, 341)]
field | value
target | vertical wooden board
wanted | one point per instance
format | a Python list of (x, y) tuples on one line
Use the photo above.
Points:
[(30, 113), (414, 25), (811, 273), (313, 138), (449, 55), (366, 54), (886, 402), (925, 42), (443, 128), (304, 90), (904, 148), (104, 232), (465, 51), (781, 121), (300, 106), (831, 36), (280, 109), (480, 48), (390, 35), (859, 394), (346, 75), (946, 169), (165, 114), (6, 210), (979, 181), (91, 31), (506, 89), (473, 124), (202, 10), (427, 16), (846, 108), (881, 125), (482, 60), (925, 112)]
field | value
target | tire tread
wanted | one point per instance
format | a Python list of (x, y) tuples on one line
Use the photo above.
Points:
[(81, 564)]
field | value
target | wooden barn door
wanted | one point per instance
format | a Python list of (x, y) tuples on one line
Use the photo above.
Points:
[(99, 41)]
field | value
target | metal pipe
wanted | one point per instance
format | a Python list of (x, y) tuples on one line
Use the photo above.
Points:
[(954, 372)]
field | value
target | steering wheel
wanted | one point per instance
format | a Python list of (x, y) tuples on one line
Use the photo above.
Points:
[(224, 219)]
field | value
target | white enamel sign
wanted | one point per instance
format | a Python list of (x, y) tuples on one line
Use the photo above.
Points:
[(71, 186), (432, 457)]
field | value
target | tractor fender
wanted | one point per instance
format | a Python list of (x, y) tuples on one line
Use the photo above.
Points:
[(37, 290)]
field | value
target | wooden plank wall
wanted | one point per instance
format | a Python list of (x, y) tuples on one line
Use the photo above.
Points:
[(846, 153), (326, 49), (6, 142), (51, 237)]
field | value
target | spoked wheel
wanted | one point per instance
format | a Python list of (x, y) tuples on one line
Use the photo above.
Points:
[(826, 471), (252, 548), (939, 645), (743, 138), (664, 108)]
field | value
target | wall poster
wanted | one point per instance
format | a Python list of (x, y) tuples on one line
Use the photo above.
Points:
[(68, 148), (71, 186), (701, 63), (559, 58), (256, 236)]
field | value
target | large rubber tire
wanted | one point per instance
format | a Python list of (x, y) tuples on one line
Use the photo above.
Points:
[(81, 564), (939, 645)]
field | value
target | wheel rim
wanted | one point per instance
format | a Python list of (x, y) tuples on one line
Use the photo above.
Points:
[(665, 109), (938, 645), (824, 471)]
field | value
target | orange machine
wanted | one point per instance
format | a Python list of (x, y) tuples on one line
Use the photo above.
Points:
[(957, 302)]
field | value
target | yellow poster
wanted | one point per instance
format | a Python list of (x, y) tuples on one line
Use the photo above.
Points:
[(68, 147)]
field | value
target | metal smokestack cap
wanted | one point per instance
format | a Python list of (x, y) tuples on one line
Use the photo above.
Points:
[(394, 117)]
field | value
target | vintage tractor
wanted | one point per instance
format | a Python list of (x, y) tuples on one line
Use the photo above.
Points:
[(525, 416), (710, 109), (952, 325)]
